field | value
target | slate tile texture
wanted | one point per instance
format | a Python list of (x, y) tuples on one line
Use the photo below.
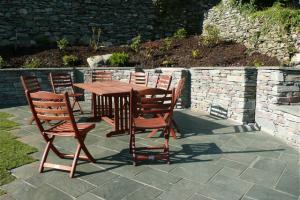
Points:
[(212, 159)]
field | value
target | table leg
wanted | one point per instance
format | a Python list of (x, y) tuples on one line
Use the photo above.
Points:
[(96, 116), (118, 115)]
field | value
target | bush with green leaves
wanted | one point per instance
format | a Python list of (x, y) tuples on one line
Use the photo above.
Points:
[(70, 60), (62, 44), (210, 36), (166, 44), (119, 59), (180, 33), (195, 53), (2, 63), (32, 63), (135, 43)]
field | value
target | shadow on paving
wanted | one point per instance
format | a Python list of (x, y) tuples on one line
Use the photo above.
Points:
[(206, 125)]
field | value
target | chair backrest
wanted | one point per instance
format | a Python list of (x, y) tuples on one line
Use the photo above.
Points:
[(30, 83), (152, 101), (179, 89), (48, 106), (101, 76), (139, 78), (61, 83), (163, 82)]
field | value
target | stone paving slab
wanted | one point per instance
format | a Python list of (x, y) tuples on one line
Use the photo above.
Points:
[(212, 159)]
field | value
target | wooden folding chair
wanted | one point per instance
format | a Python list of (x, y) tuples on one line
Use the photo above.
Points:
[(146, 107), (139, 78), (163, 82), (62, 82), (103, 103), (178, 92), (56, 107), (31, 84)]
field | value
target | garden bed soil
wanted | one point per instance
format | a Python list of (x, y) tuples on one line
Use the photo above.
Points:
[(150, 55)]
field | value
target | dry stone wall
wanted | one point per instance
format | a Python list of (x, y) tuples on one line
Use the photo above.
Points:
[(274, 113), (29, 22), (227, 92), (237, 27)]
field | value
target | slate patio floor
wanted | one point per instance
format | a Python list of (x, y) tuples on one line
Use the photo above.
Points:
[(211, 159)]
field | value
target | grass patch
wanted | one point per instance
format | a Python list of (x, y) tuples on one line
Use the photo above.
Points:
[(13, 153)]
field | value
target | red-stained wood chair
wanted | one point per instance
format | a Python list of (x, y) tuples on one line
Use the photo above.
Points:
[(178, 92), (31, 84), (146, 107), (62, 82), (139, 78), (163, 82), (56, 107), (104, 103)]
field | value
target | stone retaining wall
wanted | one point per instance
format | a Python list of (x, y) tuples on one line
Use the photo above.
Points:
[(235, 26), (27, 23), (227, 92), (275, 89)]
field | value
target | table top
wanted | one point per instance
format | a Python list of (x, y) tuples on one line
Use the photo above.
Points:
[(109, 87)]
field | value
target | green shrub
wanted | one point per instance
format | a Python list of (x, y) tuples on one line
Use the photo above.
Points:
[(62, 44), (135, 43), (195, 53), (2, 63), (70, 60), (211, 35), (167, 63), (180, 33), (167, 44), (32, 63), (119, 59), (95, 42), (278, 15)]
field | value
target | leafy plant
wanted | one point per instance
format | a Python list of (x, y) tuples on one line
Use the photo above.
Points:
[(95, 42), (70, 60), (135, 43), (62, 44), (2, 63), (119, 59), (180, 33), (211, 35), (195, 53), (32, 63), (167, 63), (257, 64), (167, 44)]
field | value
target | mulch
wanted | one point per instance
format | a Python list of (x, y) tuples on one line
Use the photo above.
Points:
[(150, 55)]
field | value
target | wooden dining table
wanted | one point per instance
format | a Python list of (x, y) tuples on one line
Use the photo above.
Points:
[(114, 108)]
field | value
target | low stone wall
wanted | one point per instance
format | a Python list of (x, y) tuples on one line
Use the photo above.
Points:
[(227, 92), (275, 89), (12, 93), (11, 90)]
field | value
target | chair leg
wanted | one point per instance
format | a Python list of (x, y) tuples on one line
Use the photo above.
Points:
[(133, 147), (87, 153), (152, 133), (45, 155), (75, 161), (166, 150)]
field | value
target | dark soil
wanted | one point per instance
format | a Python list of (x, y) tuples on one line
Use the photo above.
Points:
[(151, 54)]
